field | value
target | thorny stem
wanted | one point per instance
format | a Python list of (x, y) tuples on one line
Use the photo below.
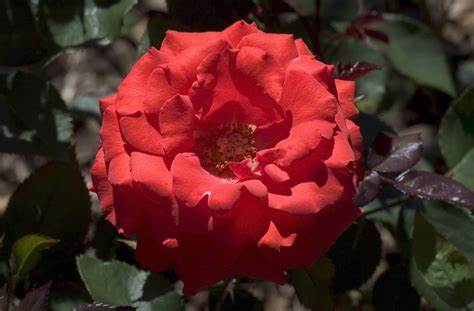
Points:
[(229, 286)]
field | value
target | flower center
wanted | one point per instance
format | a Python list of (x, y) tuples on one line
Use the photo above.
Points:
[(225, 144)]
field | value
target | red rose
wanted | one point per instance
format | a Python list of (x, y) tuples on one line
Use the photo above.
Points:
[(229, 154)]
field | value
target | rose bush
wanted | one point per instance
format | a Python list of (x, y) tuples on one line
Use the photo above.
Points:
[(228, 154)]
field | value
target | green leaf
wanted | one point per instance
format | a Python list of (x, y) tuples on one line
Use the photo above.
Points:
[(356, 255), (156, 285), (442, 267), (456, 132), (372, 86), (415, 51), (454, 223), (83, 22), (426, 291), (312, 285), (334, 10), (115, 283), (26, 254), (54, 202), (170, 302), (465, 73), (463, 172), (393, 291), (33, 117), (35, 31), (20, 40), (67, 296)]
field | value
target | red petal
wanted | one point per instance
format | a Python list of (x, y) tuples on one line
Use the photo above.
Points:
[(102, 186), (204, 270), (118, 170), (177, 120), (141, 135), (276, 174), (176, 42), (318, 70), (261, 69), (303, 139), (130, 95), (342, 153), (315, 238), (235, 32), (280, 46), (302, 48), (357, 140), (307, 198), (157, 91), (190, 181), (151, 173), (307, 98), (112, 142), (273, 239), (224, 196), (345, 94), (231, 88), (181, 72), (105, 102)]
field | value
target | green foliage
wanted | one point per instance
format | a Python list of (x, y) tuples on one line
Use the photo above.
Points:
[(33, 117), (355, 255), (34, 31), (20, 37), (454, 223), (53, 201), (83, 22), (456, 132), (442, 267), (313, 284), (48, 218), (114, 283), (117, 283), (26, 254), (415, 51)]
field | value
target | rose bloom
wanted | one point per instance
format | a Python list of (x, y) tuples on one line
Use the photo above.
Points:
[(229, 154)]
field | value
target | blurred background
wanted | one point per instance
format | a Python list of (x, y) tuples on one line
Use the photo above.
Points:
[(424, 48)]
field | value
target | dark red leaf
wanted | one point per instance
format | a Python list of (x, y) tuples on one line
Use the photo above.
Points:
[(358, 27), (35, 300), (376, 35), (368, 189), (432, 186), (368, 18), (392, 154), (354, 71)]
